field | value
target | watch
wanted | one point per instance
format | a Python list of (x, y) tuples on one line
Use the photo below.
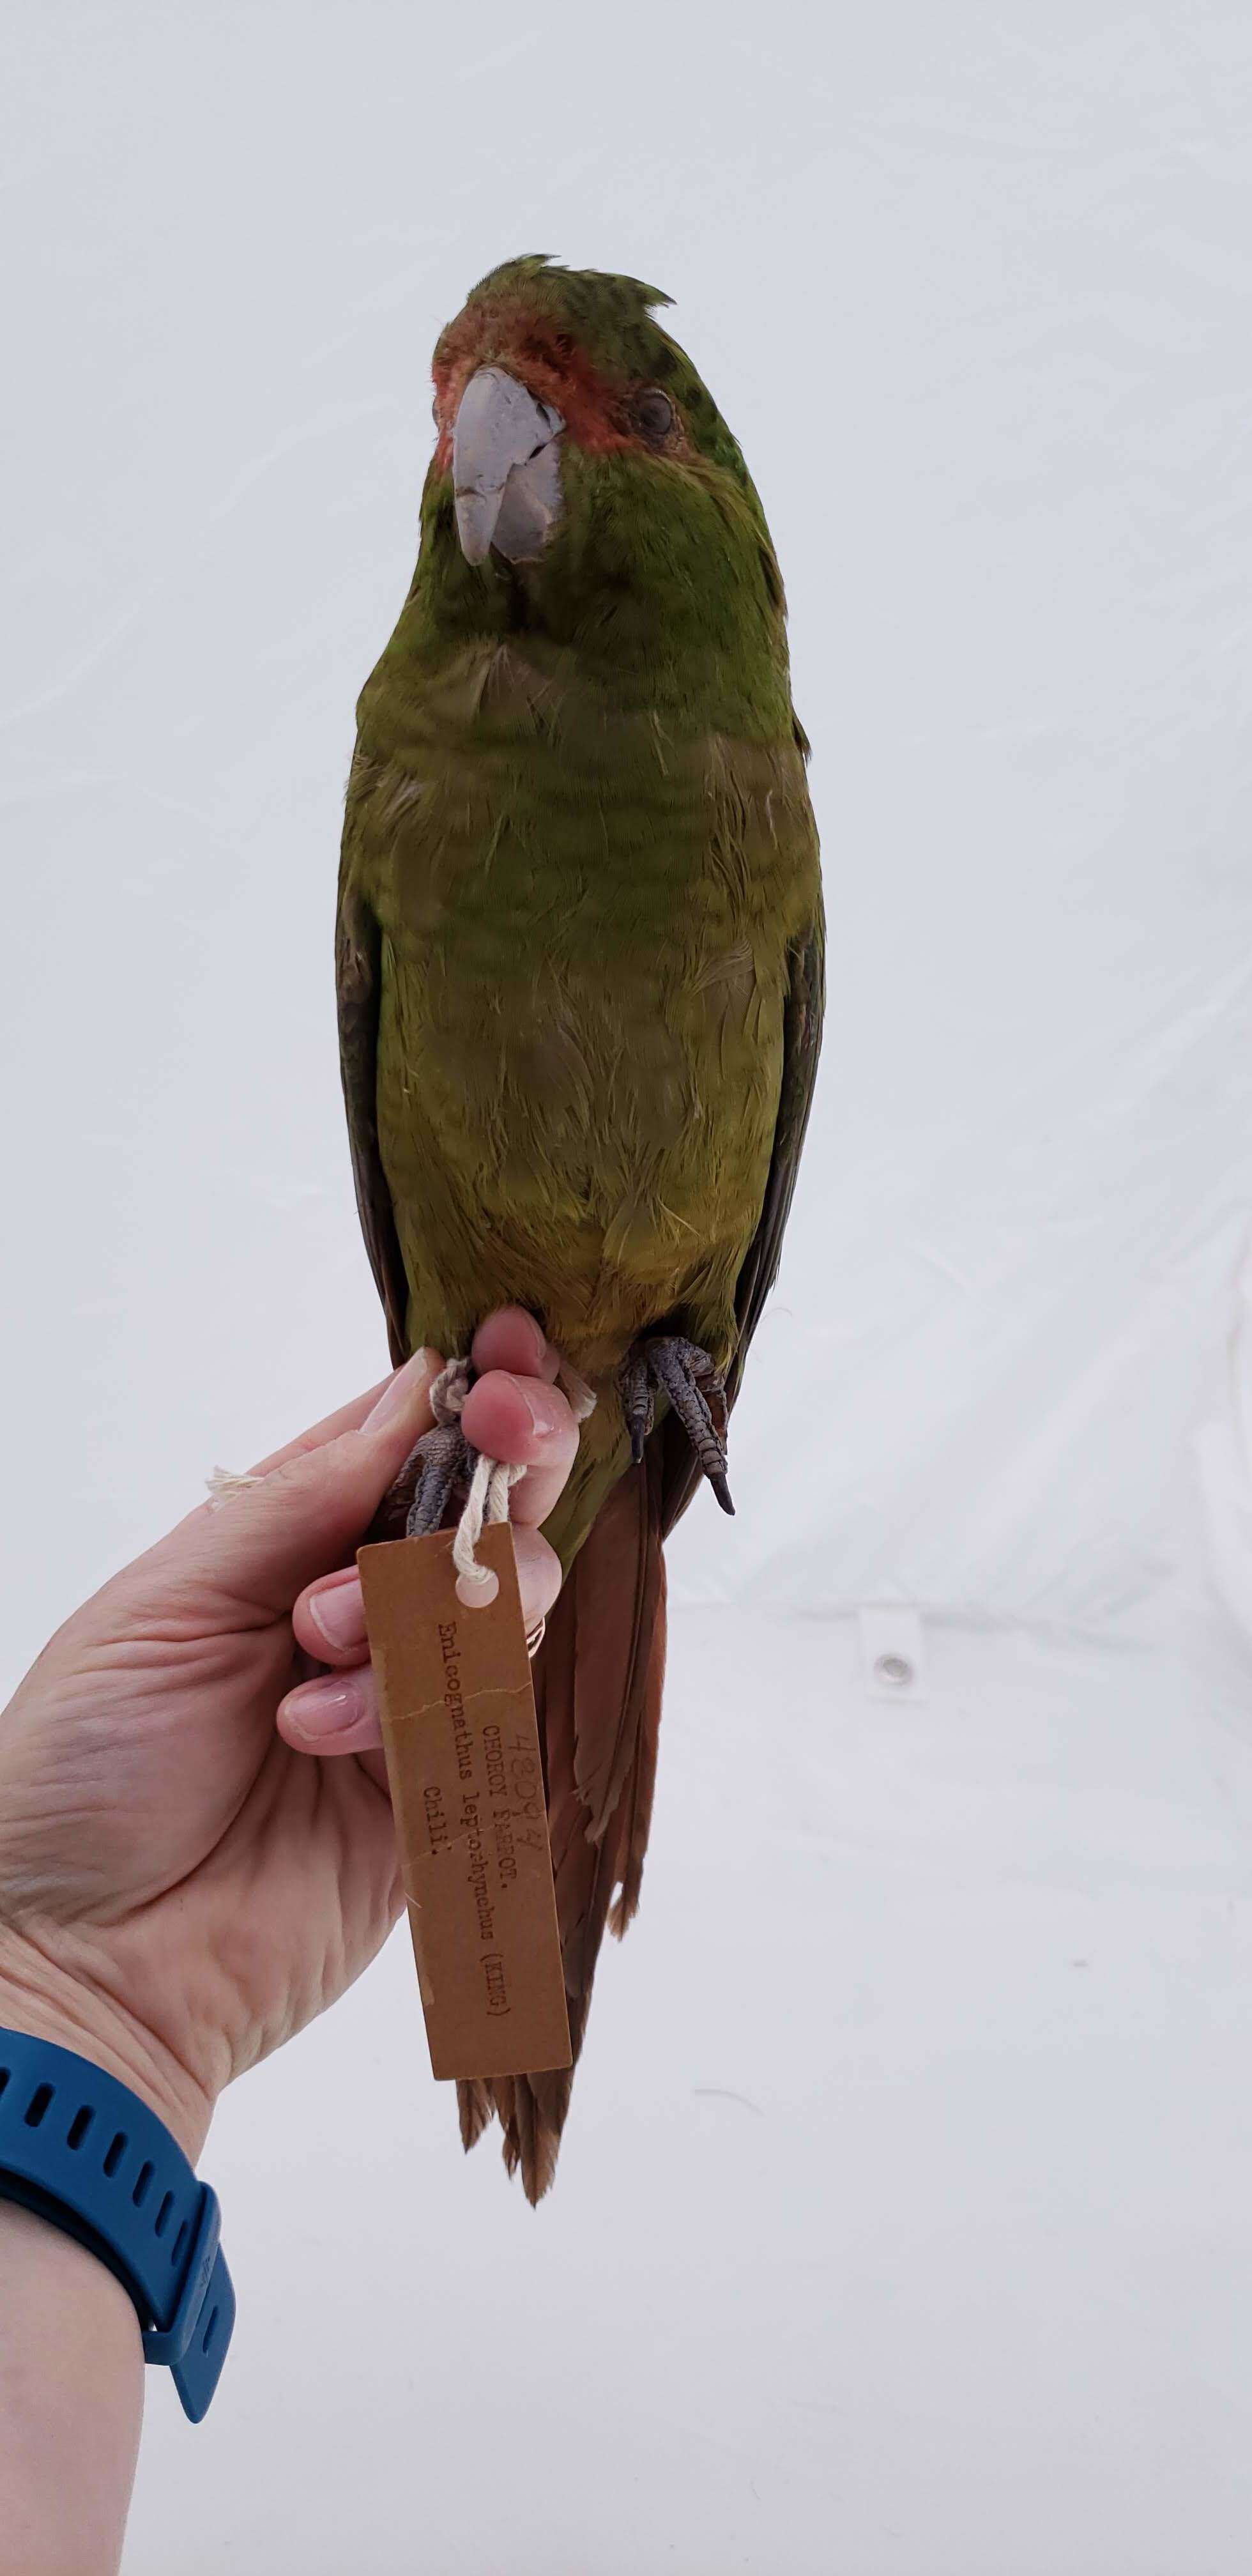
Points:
[(84, 2152)]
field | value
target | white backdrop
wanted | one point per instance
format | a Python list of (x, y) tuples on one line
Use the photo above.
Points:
[(903, 2224)]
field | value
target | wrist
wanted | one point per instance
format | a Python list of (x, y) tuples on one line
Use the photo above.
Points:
[(83, 2150), (71, 2368), (42, 1996)]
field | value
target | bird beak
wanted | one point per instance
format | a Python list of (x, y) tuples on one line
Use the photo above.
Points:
[(506, 473)]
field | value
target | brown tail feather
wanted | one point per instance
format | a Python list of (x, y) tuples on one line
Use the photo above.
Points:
[(475, 2106), (637, 1805), (598, 1682)]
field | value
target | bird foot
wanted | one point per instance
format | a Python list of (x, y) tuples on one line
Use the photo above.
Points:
[(445, 1464), (697, 1396), (435, 1473)]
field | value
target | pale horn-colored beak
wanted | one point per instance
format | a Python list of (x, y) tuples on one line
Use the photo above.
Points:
[(506, 473)]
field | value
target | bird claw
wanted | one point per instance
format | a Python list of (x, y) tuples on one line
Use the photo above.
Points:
[(697, 1396), (638, 1399)]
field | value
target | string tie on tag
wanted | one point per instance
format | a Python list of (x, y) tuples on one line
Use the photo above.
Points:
[(491, 1479)]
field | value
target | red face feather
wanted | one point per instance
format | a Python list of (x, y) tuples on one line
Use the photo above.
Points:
[(594, 409)]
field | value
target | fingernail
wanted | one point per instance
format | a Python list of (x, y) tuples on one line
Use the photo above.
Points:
[(339, 1612), (538, 1404), (325, 1707), (397, 1396), (541, 1344)]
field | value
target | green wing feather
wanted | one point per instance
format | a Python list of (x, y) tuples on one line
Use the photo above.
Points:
[(358, 981), (802, 1038)]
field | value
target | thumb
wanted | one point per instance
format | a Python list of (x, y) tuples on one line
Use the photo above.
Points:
[(261, 1544)]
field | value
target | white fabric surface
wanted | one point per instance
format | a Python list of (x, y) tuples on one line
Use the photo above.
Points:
[(902, 2226)]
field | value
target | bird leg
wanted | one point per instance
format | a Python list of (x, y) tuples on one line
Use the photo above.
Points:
[(445, 1463), (697, 1396), (436, 1470)]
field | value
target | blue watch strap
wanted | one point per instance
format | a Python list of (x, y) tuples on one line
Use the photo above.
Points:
[(84, 2152)]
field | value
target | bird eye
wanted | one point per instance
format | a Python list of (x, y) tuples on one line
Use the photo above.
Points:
[(654, 412)]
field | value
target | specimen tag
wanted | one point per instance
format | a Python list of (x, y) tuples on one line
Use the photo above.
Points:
[(466, 1780)]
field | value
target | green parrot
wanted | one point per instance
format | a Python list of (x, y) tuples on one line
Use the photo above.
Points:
[(580, 976)]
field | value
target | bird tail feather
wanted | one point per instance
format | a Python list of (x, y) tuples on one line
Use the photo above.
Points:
[(598, 1682)]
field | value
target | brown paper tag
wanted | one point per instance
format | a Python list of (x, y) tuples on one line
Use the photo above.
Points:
[(466, 1780)]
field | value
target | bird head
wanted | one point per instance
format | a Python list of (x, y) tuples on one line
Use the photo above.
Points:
[(586, 494)]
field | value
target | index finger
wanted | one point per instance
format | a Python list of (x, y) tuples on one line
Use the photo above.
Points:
[(512, 1339), (348, 1417), (509, 1339)]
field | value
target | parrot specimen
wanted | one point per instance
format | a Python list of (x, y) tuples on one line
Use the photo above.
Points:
[(580, 979)]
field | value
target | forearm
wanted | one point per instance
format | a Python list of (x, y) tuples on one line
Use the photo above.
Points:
[(71, 2403)]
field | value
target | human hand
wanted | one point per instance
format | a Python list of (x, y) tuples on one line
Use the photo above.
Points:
[(181, 1886)]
